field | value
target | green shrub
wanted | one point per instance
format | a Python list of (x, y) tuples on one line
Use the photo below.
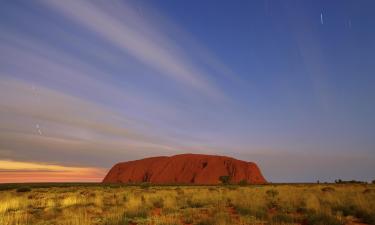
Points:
[(23, 189), (158, 203), (243, 182), (260, 213), (194, 203), (301, 209), (366, 217), (322, 219), (232, 187), (352, 210), (224, 179), (346, 209), (243, 210)]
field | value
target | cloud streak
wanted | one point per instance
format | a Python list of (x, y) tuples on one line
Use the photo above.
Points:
[(16, 171), (70, 125), (142, 46)]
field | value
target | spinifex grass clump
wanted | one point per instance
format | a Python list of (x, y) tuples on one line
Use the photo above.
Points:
[(171, 205)]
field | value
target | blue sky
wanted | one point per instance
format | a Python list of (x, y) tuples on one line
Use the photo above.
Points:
[(287, 84)]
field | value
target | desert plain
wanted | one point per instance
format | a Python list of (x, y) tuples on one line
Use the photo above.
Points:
[(111, 204)]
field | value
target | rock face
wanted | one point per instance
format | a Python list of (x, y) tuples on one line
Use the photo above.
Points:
[(185, 169)]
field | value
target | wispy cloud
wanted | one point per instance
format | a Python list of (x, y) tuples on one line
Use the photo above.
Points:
[(151, 48), (70, 126), (46, 86)]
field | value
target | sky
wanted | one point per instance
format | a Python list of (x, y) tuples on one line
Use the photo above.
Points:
[(286, 84)]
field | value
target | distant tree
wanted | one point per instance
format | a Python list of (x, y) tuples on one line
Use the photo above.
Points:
[(373, 182), (318, 182), (224, 179), (243, 182), (338, 181)]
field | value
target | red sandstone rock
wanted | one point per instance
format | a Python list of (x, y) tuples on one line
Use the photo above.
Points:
[(184, 169)]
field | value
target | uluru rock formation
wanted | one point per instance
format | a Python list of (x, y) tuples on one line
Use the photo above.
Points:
[(185, 169)]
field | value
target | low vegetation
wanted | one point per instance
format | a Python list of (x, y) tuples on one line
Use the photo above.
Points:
[(320, 204)]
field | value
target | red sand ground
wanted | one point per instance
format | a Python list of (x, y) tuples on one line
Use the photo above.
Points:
[(184, 169)]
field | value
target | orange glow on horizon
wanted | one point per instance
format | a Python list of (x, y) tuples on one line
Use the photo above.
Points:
[(22, 172)]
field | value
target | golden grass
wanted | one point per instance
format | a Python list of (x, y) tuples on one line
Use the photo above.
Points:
[(196, 205)]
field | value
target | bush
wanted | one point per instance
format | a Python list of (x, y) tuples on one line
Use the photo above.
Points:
[(366, 216), (259, 213), (352, 210), (194, 204), (158, 203), (23, 189), (322, 219), (140, 212), (243, 210), (346, 209), (243, 182), (339, 181), (224, 179), (231, 187)]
